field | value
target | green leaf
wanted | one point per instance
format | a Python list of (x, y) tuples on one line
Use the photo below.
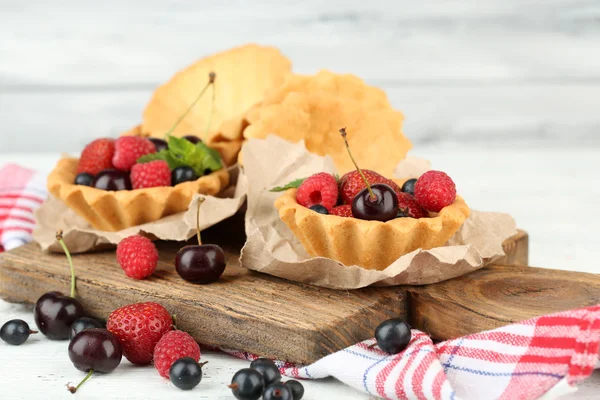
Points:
[(182, 152), (292, 185)]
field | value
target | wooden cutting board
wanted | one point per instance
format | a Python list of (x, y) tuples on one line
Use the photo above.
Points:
[(273, 317)]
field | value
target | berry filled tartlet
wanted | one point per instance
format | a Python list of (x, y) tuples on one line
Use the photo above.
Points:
[(366, 219), (117, 184)]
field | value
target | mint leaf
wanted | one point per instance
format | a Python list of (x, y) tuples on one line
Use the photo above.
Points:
[(292, 185), (181, 152)]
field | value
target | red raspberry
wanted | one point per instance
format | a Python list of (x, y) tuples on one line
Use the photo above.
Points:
[(139, 327), (352, 183), (435, 190), (137, 256), (410, 206), (320, 189), (173, 346), (96, 156), (128, 149), (150, 174), (342, 211)]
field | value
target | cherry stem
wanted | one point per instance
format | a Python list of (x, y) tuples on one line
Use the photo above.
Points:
[(76, 388), (200, 201), (211, 80), (59, 237), (364, 178), (211, 77)]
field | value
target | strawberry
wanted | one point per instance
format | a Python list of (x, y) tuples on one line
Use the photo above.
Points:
[(96, 156), (435, 190), (139, 327), (352, 183), (128, 149), (407, 205), (342, 211)]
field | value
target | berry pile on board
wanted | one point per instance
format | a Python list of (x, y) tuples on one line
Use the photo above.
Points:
[(133, 162), (368, 195)]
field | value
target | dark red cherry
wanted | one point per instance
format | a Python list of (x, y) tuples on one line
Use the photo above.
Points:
[(200, 263), (84, 179), (382, 205), (159, 144), (94, 350), (112, 179), (54, 313), (192, 138)]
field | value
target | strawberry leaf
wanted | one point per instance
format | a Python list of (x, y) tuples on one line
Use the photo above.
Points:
[(292, 185)]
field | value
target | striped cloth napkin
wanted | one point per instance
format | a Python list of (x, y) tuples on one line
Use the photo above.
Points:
[(519, 361), (22, 191)]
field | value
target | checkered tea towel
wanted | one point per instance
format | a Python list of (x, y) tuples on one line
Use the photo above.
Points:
[(518, 361), (21, 192)]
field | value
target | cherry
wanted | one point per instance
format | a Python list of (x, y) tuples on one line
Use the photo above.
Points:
[(112, 179), (268, 369), (94, 350), (54, 313), (182, 174), (202, 263), (186, 373), (192, 138), (393, 335), (247, 384), (319, 209), (82, 324), (296, 388), (160, 144), (15, 332), (409, 186), (278, 391), (380, 203), (376, 202), (84, 179)]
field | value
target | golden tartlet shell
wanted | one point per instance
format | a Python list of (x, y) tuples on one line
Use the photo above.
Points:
[(368, 244), (116, 210)]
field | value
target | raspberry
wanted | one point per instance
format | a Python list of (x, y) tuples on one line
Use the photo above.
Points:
[(139, 327), (352, 183), (128, 149), (173, 346), (137, 256), (435, 190), (408, 205), (320, 189), (342, 211), (96, 156), (150, 174)]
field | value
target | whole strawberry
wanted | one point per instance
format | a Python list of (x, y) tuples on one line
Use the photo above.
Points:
[(352, 183), (435, 190), (150, 174), (409, 206), (138, 256), (173, 346), (96, 156), (321, 188), (128, 149), (139, 327), (342, 211)]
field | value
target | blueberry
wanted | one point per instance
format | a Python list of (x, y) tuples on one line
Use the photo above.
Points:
[(409, 186), (84, 179), (182, 174), (15, 332), (393, 335), (297, 389), (82, 324), (185, 373), (247, 384), (278, 391), (268, 369), (319, 208)]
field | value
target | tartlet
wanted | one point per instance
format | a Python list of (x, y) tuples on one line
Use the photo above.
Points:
[(116, 210), (368, 244)]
